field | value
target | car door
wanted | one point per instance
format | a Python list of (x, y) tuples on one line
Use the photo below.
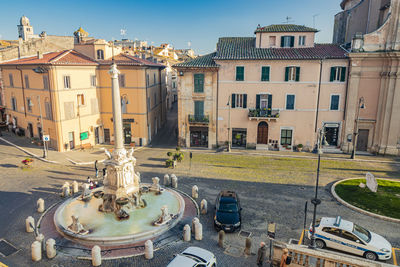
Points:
[(353, 243), (332, 236)]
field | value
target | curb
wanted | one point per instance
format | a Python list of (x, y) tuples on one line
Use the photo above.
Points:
[(340, 200), (27, 152)]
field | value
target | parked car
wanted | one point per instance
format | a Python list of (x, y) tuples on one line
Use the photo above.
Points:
[(194, 256), (350, 237), (227, 212)]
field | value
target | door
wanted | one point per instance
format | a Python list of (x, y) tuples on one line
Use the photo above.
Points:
[(107, 136), (30, 130), (331, 135), (71, 140), (262, 133), (96, 135), (127, 133), (362, 141), (40, 133)]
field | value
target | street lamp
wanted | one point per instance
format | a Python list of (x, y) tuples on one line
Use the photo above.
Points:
[(315, 201), (41, 122), (361, 104), (229, 124)]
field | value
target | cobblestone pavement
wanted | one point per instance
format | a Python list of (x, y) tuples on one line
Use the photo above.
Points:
[(261, 202)]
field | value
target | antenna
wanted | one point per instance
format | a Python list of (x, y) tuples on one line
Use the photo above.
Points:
[(288, 20), (313, 19), (189, 44), (123, 32)]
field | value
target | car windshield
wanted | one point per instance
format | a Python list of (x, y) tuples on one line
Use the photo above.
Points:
[(362, 233), (228, 207)]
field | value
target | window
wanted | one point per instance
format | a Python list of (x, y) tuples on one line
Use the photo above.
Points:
[(47, 108), (121, 79), (265, 73), (69, 110), (290, 102), (199, 83), (155, 99), (302, 40), (292, 74), (45, 82), (81, 99), (10, 77), (287, 41), (173, 85), (29, 104), (198, 108), (332, 231), (272, 41), (154, 78), (100, 54), (334, 102), (26, 77), (93, 80), (239, 101), (338, 74), (264, 102), (286, 137), (14, 103), (349, 236), (147, 80), (67, 82), (240, 73)]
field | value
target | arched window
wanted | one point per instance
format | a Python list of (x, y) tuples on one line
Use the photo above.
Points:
[(100, 54)]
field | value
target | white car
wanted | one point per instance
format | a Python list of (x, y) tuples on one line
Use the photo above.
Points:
[(194, 256), (350, 237)]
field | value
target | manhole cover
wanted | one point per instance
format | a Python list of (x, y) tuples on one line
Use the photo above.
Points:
[(234, 251), (6, 249), (244, 234)]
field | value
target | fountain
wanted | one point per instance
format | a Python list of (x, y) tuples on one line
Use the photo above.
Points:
[(123, 210)]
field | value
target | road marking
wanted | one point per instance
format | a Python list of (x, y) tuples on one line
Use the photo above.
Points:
[(301, 237), (394, 256)]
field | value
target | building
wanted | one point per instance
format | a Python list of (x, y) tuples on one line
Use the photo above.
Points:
[(67, 95), (272, 91), (373, 100)]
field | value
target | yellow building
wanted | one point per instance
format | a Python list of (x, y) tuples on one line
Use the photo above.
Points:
[(71, 91)]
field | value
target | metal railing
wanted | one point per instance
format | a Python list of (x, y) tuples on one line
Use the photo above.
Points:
[(199, 119), (263, 113)]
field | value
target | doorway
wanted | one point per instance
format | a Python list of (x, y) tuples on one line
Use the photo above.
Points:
[(362, 141), (30, 130), (127, 133), (262, 133), (331, 135), (96, 135), (40, 133), (71, 140), (107, 136), (199, 136)]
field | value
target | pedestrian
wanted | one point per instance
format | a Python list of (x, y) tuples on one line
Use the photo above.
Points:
[(97, 170), (104, 172), (285, 259), (88, 180), (262, 252)]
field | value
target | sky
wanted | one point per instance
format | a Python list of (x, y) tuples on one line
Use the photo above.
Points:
[(177, 22)]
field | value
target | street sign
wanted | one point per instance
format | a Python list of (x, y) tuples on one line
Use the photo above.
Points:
[(46, 137), (271, 230)]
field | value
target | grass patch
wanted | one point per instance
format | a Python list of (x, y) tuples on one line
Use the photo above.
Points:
[(386, 201)]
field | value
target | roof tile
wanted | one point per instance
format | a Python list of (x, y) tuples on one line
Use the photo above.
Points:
[(285, 28)]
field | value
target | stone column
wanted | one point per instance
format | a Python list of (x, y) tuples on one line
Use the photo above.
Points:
[(167, 180), (75, 187), (174, 181), (186, 233), (116, 109), (221, 238), (96, 256), (28, 222), (198, 231), (40, 205), (203, 206), (36, 249), (195, 192), (148, 249), (50, 248), (194, 221)]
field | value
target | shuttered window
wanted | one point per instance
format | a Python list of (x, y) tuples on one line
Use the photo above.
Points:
[(199, 83), (287, 41), (67, 82), (292, 74), (26, 81), (47, 108), (265, 73), (239, 73), (338, 74), (10, 77), (45, 82), (290, 102), (121, 79), (198, 108), (239, 101), (334, 102), (286, 137)]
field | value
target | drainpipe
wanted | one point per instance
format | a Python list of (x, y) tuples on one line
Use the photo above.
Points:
[(23, 88), (216, 108), (319, 92), (147, 105), (368, 17)]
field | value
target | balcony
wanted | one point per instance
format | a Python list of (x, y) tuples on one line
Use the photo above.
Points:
[(263, 114), (199, 119)]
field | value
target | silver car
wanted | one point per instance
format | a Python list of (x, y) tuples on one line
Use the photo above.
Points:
[(194, 256)]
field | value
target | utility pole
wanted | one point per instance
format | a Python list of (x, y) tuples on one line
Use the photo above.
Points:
[(229, 124), (41, 122)]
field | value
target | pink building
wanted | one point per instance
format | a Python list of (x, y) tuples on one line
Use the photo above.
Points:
[(271, 91)]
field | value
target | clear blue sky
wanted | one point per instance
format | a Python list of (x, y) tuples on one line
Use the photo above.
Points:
[(176, 22)]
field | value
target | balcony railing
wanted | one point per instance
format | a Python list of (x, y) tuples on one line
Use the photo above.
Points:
[(201, 119), (263, 113)]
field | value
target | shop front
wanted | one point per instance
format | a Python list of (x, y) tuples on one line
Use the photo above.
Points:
[(198, 136), (239, 136)]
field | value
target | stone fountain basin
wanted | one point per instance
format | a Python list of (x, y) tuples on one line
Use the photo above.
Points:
[(105, 228)]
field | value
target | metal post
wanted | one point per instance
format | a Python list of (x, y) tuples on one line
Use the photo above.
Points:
[(41, 122), (305, 220), (79, 117), (229, 124)]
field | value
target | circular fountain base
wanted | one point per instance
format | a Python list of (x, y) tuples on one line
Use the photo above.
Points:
[(107, 229)]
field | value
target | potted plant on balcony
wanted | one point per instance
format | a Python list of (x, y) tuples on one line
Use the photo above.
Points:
[(299, 147)]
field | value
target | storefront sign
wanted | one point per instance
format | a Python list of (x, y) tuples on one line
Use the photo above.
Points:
[(84, 135)]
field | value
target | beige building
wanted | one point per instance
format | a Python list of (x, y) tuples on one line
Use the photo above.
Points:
[(71, 90), (271, 91)]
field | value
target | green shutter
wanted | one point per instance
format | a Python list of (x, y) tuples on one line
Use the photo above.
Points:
[(239, 73), (265, 73), (286, 74), (343, 74), (333, 73), (270, 101), (258, 98), (201, 108), (245, 101), (297, 74), (233, 100), (198, 108), (291, 41), (282, 41), (199, 83)]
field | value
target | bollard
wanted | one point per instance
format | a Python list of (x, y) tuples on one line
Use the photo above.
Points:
[(203, 206), (195, 192), (167, 180), (36, 250), (29, 224), (40, 205), (198, 231), (195, 219), (221, 238), (65, 190), (174, 181), (75, 187), (40, 238), (85, 186), (148, 249), (51, 248), (247, 249), (96, 256), (186, 233)]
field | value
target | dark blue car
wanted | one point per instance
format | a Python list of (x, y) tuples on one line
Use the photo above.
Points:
[(227, 212)]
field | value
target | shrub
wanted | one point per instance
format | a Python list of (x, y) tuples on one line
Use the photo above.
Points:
[(300, 146), (169, 163), (178, 148)]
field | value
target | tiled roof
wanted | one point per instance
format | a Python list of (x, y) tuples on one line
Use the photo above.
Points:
[(122, 59), (244, 48), (66, 57), (205, 61), (285, 28)]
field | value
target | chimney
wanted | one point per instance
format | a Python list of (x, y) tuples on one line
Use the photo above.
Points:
[(39, 55)]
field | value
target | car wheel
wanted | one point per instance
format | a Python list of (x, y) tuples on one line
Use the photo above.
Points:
[(370, 256), (320, 243)]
